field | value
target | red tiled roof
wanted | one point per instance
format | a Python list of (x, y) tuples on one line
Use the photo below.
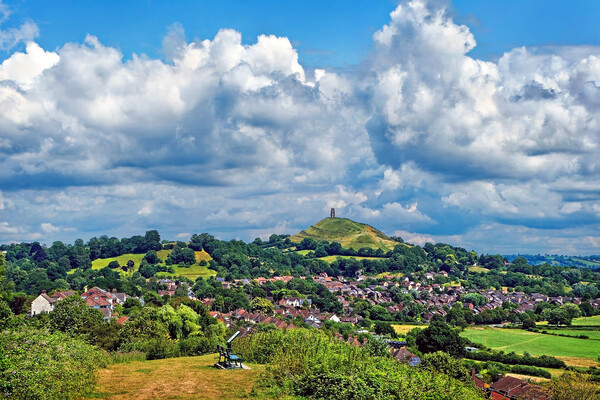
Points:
[(122, 320)]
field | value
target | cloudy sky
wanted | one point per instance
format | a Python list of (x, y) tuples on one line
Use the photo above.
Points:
[(471, 124)]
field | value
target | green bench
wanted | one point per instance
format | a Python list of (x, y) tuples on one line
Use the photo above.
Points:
[(227, 358)]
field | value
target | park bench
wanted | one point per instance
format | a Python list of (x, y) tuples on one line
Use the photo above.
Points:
[(227, 358)]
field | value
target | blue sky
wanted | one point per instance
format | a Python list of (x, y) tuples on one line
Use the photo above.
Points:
[(471, 123)]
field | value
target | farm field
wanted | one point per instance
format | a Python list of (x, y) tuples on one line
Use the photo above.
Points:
[(403, 329), (576, 352), (183, 378)]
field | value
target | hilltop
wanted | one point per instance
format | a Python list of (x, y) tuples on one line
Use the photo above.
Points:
[(348, 233)]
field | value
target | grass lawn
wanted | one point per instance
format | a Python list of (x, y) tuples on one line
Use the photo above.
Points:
[(183, 378), (403, 329), (478, 269), (578, 352)]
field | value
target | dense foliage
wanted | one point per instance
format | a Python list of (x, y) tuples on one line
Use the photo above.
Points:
[(37, 364), (311, 364)]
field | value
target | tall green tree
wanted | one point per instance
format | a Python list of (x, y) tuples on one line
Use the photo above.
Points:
[(438, 336), (72, 315)]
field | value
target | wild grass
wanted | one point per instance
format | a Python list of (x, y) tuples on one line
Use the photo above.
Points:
[(184, 378)]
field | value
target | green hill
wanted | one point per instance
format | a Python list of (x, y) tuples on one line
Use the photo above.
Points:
[(348, 233)]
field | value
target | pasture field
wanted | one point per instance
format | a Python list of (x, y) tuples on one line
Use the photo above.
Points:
[(183, 378), (577, 352), (589, 321), (192, 272), (581, 321), (100, 263), (478, 269), (403, 329)]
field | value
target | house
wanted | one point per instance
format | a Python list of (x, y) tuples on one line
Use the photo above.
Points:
[(44, 303), (513, 388), (404, 356), (102, 300), (294, 302)]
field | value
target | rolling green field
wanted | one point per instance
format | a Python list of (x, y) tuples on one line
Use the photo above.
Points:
[(573, 351)]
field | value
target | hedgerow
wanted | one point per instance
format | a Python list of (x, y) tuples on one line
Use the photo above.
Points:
[(543, 361), (36, 364)]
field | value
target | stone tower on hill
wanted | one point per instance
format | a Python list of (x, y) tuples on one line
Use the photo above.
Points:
[(332, 213)]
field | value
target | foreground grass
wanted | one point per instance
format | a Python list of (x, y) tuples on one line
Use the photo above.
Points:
[(183, 378), (576, 352)]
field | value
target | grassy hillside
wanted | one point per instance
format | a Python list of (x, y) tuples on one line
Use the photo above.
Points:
[(184, 378), (191, 273), (348, 233)]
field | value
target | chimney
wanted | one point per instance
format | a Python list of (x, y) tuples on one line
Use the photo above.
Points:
[(499, 376), (43, 292)]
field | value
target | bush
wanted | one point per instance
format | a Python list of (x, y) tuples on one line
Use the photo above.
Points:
[(543, 361), (41, 365), (157, 349), (196, 346), (119, 357), (310, 363)]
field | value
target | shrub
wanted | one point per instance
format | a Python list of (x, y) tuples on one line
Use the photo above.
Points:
[(119, 357), (310, 363), (543, 361), (160, 348), (41, 365), (196, 346)]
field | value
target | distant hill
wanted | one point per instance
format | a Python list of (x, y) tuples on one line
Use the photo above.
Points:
[(560, 260), (348, 233)]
